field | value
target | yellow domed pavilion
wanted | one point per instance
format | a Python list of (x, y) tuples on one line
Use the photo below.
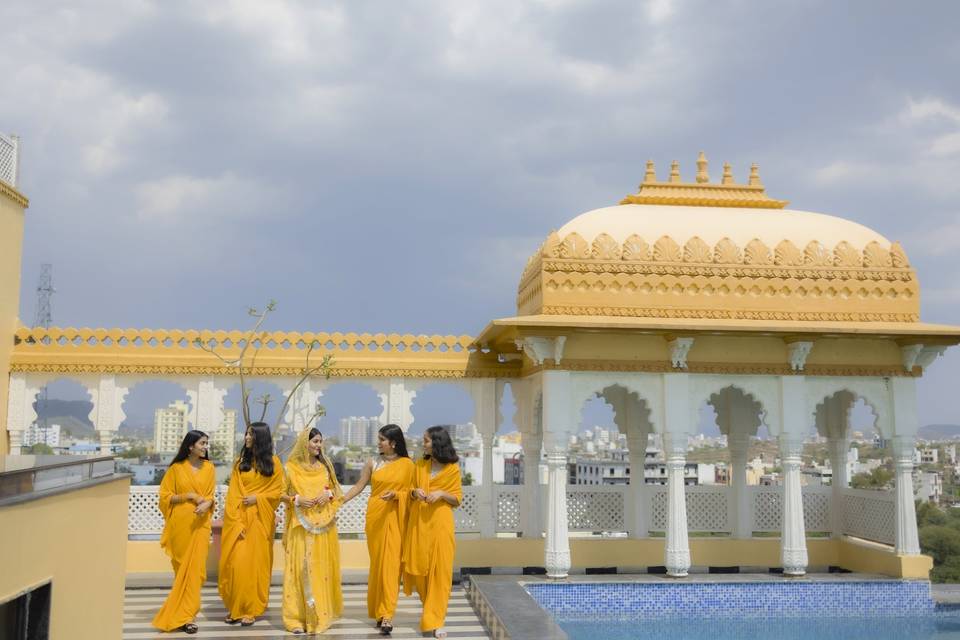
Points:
[(683, 294)]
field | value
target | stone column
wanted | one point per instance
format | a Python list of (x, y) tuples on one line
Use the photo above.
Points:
[(907, 541), (740, 499), (558, 537), (558, 423), (636, 514), (396, 396), (793, 539), (22, 394), (794, 422), (903, 404), (677, 415), (838, 447), (485, 401), (107, 392), (532, 522)]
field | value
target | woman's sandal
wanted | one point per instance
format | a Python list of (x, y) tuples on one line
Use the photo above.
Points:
[(298, 631), (230, 620), (386, 626), (440, 633), (247, 622), (190, 628), (379, 622)]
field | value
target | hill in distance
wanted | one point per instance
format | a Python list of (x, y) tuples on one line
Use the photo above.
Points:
[(939, 431), (71, 415)]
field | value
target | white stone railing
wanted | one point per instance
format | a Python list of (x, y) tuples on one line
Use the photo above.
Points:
[(871, 515), (708, 508), (144, 518), (766, 508), (867, 514), (9, 159)]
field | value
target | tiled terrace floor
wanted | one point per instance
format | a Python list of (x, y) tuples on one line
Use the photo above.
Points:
[(141, 604)]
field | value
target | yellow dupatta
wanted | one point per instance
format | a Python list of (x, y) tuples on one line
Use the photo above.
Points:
[(430, 524), (185, 539)]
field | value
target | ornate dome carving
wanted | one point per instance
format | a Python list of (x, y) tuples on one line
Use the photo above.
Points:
[(701, 250)]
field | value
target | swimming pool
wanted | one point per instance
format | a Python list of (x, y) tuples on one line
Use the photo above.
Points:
[(785, 609)]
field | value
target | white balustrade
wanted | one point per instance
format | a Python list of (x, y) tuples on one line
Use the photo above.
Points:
[(766, 506), (708, 508), (596, 509), (870, 515)]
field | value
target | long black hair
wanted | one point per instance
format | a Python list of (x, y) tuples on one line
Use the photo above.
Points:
[(442, 446), (260, 456), (394, 434), (321, 456), (188, 441)]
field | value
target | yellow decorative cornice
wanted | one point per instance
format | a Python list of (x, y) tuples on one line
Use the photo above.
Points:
[(670, 277), (703, 193), (174, 352), (14, 195)]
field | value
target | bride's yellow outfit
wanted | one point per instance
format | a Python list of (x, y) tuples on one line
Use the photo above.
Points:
[(312, 598)]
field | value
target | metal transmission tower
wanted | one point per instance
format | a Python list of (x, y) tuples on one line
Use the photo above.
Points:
[(43, 319)]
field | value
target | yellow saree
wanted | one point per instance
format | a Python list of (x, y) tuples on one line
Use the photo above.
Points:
[(246, 544), (430, 544), (312, 597), (385, 525), (186, 539)]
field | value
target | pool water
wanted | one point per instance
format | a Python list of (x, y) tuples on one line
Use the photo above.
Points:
[(789, 609), (937, 626)]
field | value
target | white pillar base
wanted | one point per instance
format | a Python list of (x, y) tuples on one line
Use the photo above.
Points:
[(793, 540), (557, 557)]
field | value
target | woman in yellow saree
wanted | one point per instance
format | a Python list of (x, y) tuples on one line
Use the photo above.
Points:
[(312, 598), (391, 479), (186, 502), (430, 543), (246, 547)]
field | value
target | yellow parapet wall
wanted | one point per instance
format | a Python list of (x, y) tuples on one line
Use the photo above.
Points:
[(145, 557), (75, 541), (12, 205)]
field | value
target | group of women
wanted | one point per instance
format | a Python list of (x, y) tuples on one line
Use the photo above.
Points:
[(409, 530)]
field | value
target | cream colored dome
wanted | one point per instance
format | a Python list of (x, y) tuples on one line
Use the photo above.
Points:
[(712, 224), (721, 251)]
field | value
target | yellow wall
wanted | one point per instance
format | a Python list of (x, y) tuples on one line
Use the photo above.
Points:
[(11, 245), (76, 539), (145, 557)]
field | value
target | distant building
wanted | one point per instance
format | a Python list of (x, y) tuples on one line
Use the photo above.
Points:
[(170, 424), (223, 439), (928, 486), (359, 431), (926, 456), (464, 432), (36, 433)]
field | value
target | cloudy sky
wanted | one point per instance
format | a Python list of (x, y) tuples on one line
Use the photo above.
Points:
[(390, 166)]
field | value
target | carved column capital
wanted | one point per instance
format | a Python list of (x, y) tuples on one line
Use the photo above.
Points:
[(679, 348), (540, 348)]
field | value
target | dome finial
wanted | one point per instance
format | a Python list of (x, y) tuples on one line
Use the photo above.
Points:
[(754, 176), (675, 171), (727, 174), (702, 176), (650, 176)]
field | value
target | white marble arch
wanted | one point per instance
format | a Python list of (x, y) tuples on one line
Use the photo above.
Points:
[(764, 390), (646, 387), (873, 391)]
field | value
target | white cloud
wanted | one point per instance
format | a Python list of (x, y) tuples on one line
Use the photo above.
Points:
[(929, 109), (184, 199), (843, 172)]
